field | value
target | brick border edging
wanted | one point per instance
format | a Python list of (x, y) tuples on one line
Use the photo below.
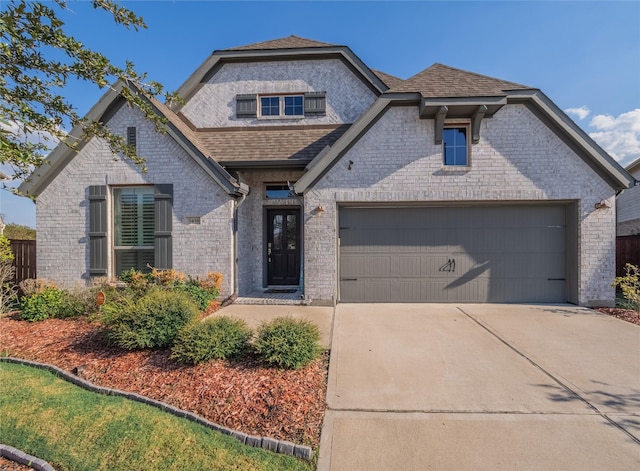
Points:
[(278, 446), (21, 457)]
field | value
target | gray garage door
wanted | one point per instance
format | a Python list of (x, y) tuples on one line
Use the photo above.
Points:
[(453, 254)]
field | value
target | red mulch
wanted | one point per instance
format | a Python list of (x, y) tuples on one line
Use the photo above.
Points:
[(8, 465), (624, 314), (245, 395)]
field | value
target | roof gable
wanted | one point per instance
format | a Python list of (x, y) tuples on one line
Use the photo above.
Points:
[(440, 81), (102, 111), (291, 48)]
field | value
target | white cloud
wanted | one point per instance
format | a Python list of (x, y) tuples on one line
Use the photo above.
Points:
[(619, 136), (579, 113)]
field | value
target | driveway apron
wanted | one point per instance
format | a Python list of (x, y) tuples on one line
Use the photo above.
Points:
[(442, 386)]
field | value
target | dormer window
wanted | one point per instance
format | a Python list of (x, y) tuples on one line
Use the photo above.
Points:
[(281, 106)]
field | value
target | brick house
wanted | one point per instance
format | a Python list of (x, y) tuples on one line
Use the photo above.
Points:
[(291, 163)]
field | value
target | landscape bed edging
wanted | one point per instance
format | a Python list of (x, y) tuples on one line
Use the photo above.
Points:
[(278, 446)]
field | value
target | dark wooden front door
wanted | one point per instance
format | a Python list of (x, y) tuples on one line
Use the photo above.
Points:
[(283, 246)]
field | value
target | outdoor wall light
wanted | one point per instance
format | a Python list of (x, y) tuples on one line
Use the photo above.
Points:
[(320, 208), (602, 204)]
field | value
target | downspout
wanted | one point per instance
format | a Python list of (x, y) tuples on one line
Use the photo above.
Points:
[(237, 203)]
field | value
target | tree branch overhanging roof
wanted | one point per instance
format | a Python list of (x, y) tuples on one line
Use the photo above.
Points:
[(108, 104)]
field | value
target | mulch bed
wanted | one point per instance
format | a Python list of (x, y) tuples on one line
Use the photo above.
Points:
[(8, 465), (624, 314), (243, 395)]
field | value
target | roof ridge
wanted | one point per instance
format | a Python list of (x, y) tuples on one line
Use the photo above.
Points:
[(443, 81), (289, 42), (457, 69)]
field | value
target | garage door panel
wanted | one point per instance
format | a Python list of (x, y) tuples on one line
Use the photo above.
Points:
[(438, 254)]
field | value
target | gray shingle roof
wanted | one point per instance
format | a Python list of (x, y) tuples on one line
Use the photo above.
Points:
[(297, 143), (389, 80), (440, 81), (290, 42)]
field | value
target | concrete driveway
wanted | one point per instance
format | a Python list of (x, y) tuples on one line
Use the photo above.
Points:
[(481, 387)]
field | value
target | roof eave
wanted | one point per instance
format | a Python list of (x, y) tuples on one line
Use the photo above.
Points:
[(264, 164), (594, 155)]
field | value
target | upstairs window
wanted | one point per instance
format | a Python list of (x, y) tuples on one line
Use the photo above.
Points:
[(307, 104), (455, 149), (287, 105)]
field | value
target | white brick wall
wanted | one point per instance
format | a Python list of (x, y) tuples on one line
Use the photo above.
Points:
[(62, 208), (214, 104), (517, 159)]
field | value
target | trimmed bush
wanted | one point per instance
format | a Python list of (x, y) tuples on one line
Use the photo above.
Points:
[(153, 321), (288, 343), (201, 296), (217, 338), (40, 306)]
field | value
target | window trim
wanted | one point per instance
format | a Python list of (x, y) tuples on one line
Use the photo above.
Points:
[(458, 124)]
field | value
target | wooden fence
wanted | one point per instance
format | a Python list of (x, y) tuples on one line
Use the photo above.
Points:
[(627, 251), (24, 261)]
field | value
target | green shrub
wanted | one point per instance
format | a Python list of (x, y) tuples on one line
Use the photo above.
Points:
[(200, 295), (44, 305), (152, 321), (6, 255), (288, 343), (215, 338), (51, 303), (630, 287)]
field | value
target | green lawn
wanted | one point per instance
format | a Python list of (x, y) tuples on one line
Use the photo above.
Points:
[(75, 429)]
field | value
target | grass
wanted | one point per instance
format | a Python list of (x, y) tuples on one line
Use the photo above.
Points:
[(75, 429)]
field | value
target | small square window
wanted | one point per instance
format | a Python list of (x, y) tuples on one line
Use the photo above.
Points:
[(454, 146), (293, 106), (270, 106)]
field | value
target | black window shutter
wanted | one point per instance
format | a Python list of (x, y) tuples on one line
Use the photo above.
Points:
[(162, 234), (315, 103), (98, 249), (246, 106)]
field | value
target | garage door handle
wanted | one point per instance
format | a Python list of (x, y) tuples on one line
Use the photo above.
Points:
[(556, 279), (348, 279)]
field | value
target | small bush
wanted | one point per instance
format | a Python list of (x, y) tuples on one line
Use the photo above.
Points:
[(43, 305), (217, 338), (288, 343), (630, 286), (153, 321), (8, 290), (32, 286), (6, 255), (200, 295), (52, 303)]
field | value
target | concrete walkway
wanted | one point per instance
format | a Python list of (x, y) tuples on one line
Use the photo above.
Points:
[(481, 387)]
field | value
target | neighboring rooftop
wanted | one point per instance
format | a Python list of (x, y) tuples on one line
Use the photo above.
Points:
[(441, 81)]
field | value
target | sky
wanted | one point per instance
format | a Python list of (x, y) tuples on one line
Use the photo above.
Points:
[(585, 56)]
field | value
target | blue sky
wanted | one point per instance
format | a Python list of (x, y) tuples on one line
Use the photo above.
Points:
[(584, 55)]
